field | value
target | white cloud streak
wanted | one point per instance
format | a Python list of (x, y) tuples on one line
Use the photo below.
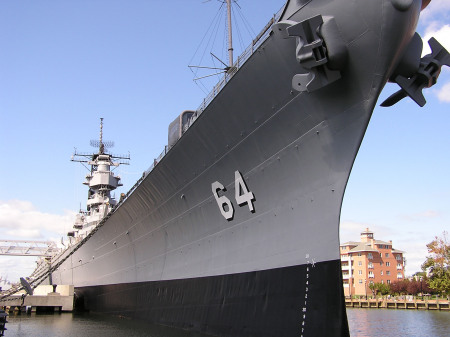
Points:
[(21, 220), (435, 8), (444, 93), (440, 32)]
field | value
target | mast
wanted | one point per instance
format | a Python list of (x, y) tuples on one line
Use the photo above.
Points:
[(101, 148), (230, 38)]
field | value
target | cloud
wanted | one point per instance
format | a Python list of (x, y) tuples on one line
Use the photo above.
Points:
[(13, 268), (414, 244), (415, 255), (21, 220), (440, 32), (437, 8), (425, 215), (444, 93), (351, 231)]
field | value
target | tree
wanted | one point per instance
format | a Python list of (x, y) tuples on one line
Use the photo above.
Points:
[(379, 288), (399, 287), (413, 287), (437, 264), (423, 282)]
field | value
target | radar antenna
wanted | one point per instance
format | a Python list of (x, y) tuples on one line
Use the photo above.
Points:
[(100, 144)]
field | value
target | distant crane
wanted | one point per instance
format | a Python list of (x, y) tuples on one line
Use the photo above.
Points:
[(28, 248)]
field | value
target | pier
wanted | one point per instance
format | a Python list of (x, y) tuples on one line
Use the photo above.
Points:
[(44, 298), (435, 304)]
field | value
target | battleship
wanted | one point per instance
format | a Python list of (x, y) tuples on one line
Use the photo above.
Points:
[(234, 229)]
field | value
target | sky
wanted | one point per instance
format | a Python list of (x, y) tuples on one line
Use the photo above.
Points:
[(64, 64)]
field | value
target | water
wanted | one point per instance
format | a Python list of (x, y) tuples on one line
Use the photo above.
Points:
[(85, 325), (396, 323), (362, 322)]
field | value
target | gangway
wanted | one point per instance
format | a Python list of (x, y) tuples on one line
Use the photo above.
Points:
[(28, 248)]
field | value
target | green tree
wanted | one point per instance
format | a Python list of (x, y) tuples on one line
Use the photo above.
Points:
[(437, 264), (381, 288)]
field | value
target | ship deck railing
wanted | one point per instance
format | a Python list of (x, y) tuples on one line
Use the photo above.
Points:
[(259, 39), (256, 42)]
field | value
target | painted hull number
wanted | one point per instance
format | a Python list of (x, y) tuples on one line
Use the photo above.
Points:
[(242, 195)]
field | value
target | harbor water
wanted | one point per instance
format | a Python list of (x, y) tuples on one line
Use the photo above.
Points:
[(362, 322)]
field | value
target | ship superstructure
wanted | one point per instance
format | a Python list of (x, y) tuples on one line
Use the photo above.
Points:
[(101, 181)]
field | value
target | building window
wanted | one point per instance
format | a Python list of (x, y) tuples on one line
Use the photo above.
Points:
[(388, 273), (398, 257), (381, 263), (360, 281), (387, 254), (370, 256), (360, 272), (399, 275), (388, 281), (371, 274), (381, 273), (382, 282), (387, 264), (370, 265), (359, 263), (359, 254), (399, 266)]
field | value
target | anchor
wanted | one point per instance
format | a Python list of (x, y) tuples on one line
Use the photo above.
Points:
[(425, 77)]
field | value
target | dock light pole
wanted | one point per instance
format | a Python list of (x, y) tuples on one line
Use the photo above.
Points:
[(421, 288), (365, 287)]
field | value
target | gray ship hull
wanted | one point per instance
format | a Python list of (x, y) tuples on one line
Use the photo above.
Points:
[(169, 255)]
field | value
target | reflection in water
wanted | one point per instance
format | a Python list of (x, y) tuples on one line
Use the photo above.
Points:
[(362, 322), (397, 322), (86, 325)]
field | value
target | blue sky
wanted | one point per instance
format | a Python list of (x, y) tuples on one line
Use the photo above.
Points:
[(65, 64)]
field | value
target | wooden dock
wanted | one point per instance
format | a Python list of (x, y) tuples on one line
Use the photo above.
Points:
[(43, 298), (399, 304)]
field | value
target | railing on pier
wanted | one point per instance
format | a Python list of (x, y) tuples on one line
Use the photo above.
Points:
[(426, 304)]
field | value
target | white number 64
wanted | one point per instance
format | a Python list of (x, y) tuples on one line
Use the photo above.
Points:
[(242, 194)]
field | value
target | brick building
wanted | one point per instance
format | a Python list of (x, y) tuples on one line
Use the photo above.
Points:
[(370, 261)]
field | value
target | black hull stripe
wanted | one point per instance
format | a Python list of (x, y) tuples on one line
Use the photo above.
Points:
[(278, 302)]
